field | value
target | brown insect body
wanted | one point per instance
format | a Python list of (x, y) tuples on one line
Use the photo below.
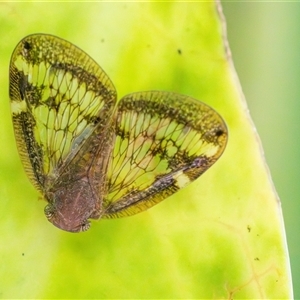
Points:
[(71, 206), (77, 195)]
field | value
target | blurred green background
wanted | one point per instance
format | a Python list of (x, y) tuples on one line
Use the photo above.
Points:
[(265, 41)]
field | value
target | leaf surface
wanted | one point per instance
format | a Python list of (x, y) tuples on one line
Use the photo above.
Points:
[(220, 237)]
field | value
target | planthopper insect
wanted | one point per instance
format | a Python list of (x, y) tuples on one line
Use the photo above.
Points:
[(91, 157)]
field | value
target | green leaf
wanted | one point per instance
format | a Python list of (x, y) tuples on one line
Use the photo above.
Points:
[(221, 237)]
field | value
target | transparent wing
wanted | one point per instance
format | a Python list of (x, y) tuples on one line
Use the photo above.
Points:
[(163, 142), (58, 96)]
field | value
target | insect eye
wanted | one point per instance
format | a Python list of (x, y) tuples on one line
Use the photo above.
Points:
[(85, 226), (49, 211)]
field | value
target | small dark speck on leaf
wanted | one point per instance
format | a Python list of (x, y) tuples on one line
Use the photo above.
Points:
[(256, 258), (248, 228), (23, 254), (179, 51)]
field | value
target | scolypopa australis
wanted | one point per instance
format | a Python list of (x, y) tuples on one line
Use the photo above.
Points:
[(91, 157)]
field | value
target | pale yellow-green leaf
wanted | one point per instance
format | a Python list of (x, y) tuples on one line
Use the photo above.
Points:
[(221, 237)]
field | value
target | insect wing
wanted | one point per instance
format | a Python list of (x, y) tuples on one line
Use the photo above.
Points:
[(59, 95), (163, 142)]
